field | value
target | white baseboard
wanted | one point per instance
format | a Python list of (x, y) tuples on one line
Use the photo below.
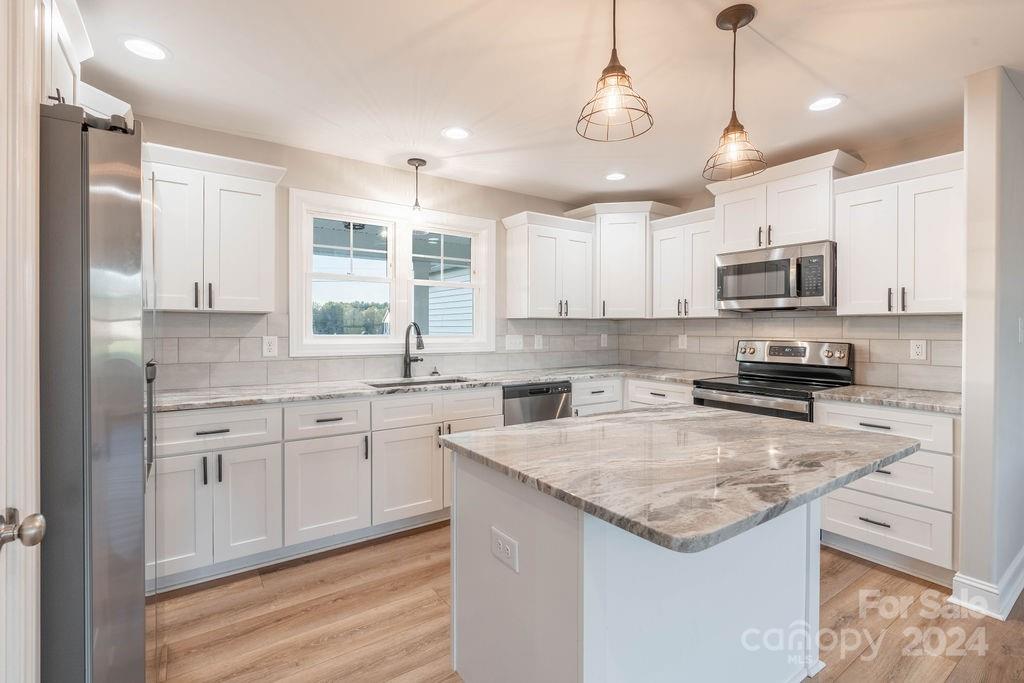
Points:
[(887, 558), (991, 599)]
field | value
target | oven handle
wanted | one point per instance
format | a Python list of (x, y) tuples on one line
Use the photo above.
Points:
[(791, 405)]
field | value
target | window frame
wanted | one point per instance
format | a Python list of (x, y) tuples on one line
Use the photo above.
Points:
[(305, 205)]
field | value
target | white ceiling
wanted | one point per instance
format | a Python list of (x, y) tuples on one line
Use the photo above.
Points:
[(377, 80)]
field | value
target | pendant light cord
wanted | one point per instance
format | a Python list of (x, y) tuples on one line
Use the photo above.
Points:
[(734, 71), (613, 25)]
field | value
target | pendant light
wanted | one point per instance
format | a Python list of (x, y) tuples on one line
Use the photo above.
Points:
[(616, 111), (736, 156), (417, 164)]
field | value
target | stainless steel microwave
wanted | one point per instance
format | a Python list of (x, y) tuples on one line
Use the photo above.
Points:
[(791, 277)]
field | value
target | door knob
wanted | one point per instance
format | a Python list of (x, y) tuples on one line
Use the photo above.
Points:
[(29, 531)]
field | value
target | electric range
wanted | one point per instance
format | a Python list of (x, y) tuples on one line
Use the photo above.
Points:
[(778, 377)]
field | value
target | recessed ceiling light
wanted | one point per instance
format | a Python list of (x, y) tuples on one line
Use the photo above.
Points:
[(455, 133), (146, 49), (615, 176), (824, 103)]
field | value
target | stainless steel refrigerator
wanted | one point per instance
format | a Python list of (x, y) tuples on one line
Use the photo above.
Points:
[(92, 398)]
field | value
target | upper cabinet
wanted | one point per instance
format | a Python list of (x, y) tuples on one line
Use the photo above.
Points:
[(65, 46), (208, 231), (683, 257), (786, 204), (900, 238), (549, 266)]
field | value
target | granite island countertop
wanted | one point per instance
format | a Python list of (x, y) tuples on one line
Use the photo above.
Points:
[(913, 399), (683, 477)]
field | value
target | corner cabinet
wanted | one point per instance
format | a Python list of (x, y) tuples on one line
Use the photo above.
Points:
[(208, 231), (900, 237), (549, 266), (622, 265), (683, 258)]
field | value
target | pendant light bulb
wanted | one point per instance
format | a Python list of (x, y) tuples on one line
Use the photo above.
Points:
[(416, 164)]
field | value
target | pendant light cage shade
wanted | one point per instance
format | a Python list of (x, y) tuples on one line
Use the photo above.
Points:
[(736, 156), (616, 112)]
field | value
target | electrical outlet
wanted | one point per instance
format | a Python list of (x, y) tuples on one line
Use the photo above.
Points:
[(682, 342), (505, 548), (269, 347), (918, 349), (604, 340), (538, 341), (514, 342)]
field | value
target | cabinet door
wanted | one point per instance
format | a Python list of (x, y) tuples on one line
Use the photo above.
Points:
[(179, 515), (866, 239), (932, 229), (622, 265), (702, 244), (544, 291), (741, 218), (597, 409), (669, 266), (408, 466), (575, 272), (239, 244), (799, 209), (454, 427), (246, 501), (173, 237), (64, 68), (326, 487)]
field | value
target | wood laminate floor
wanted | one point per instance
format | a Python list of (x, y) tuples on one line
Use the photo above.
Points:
[(380, 612)]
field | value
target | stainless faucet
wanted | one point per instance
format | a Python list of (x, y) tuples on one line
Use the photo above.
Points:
[(408, 360)]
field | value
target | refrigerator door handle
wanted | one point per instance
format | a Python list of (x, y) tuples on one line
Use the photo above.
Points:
[(150, 435)]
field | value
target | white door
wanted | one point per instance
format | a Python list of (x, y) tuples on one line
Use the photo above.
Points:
[(669, 276), (799, 209), (246, 501), (575, 272), (741, 218), (179, 514), (544, 294), (866, 242), (932, 229), (173, 237), (455, 427), (239, 244), (702, 243), (408, 466), (622, 242), (326, 487)]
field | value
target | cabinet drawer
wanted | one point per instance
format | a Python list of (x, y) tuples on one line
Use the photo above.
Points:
[(652, 393), (907, 529), (935, 432), (461, 404), (326, 418), (190, 431), (596, 409), (413, 409), (596, 391), (922, 478)]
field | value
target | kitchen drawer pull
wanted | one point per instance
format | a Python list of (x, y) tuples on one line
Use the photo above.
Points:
[(204, 471), (884, 472), (871, 424), (195, 292), (604, 308), (679, 306), (366, 446), (659, 395), (220, 468), (903, 298), (321, 420), (686, 307), (566, 308), (559, 308), (597, 391), (889, 300), (210, 432), (871, 521), (769, 234), (209, 296), (760, 231)]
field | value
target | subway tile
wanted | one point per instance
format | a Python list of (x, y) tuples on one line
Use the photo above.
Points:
[(337, 369), (166, 350), (726, 364), (643, 327), (238, 324), (613, 341), (773, 328), (947, 353), (572, 359), (670, 326), (734, 327), (520, 326), (931, 377), (551, 360), (631, 342), (861, 350), (892, 351), (277, 324), (667, 359), (794, 314), (624, 355), (382, 367), (501, 326), (183, 376), (491, 362), (719, 345), (642, 357), (700, 361), (292, 371), (946, 327), (701, 327), (655, 343), (529, 343), (876, 374), (603, 326), (181, 324), (559, 343), (500, 341), (452, 363), (586, 342), (208, 350), (250, 348), (548, 327), (237, 374), (871, 327), (574, 327), (818, 329), (523, 361)]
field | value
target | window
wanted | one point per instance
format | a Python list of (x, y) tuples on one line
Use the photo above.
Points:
[(351, 298)]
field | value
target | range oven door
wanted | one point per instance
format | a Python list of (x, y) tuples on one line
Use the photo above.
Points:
[(799, 276), (790, 408)]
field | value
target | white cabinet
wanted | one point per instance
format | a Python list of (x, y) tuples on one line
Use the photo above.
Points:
[(741, 218), (455, 427), (622, 265), (179, 515), (247, 502), (549, 266), (597, 396), (65, 45), (645, 393), (408, 465), (683, 281), (900, 244), (785, 211), (668, 273), (208, 231), (326, 487)]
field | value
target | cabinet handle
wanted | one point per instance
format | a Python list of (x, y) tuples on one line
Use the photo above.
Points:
[(903, 298), (686, 307), (760, 231), (655, 393), (321, 420), (871, 521), (679, 306), (220, 468), (209, 294), (439, 432), (559, 308), (204, 471), (366, 446), (208, 432), (604, 308), (575, 412), (195, 294), (884, 472), (889, 300), (449, 427), (566, 308), (869, 424), (769, 234), (597, 391)]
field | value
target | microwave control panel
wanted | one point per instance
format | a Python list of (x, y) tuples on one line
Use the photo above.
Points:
[(811, 276)]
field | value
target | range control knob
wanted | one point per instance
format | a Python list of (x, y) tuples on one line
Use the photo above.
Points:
[(828, 353), (751, 350), (840, 354)]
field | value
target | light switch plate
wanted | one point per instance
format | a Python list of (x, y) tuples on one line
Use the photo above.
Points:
[(514, 342), (918, 349), (604, 340), (505, 548), (682, 341), (538, 341), (269, 347)]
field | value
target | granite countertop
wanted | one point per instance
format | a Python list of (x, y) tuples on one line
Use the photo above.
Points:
[(916, 399), (223, 397), (683, 477)]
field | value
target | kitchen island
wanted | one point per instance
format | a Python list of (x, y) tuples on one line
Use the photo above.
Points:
[(663, 544)]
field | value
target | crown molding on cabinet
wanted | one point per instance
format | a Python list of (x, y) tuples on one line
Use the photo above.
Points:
[(187, 158), (546, 220), (698, 216), (898, 174), (655, 209), (843, 164)]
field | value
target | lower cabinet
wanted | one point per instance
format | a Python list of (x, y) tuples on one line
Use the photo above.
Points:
[(326, 487), (596, 409), (641, 393), (247, 502), (454, 427), (407, 472)]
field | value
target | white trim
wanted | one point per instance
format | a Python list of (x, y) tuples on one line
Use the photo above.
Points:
[(683, 219), (188, 158), (547, 221), (896, 174), (653, 208), (100, 103), (994, 600), (888, 558), (842, 163), (303, 203)]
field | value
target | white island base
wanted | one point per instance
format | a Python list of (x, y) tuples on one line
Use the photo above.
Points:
[(592, 602)]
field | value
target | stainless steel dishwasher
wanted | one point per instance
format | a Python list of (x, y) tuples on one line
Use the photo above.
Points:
[(537, 401)]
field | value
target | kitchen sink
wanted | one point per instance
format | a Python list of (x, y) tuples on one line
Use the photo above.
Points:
[(413, 383)]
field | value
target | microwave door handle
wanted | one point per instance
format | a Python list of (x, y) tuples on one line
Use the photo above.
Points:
[(794, 276)]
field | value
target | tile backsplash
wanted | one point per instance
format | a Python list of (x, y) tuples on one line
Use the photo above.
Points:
[(199, 350)]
